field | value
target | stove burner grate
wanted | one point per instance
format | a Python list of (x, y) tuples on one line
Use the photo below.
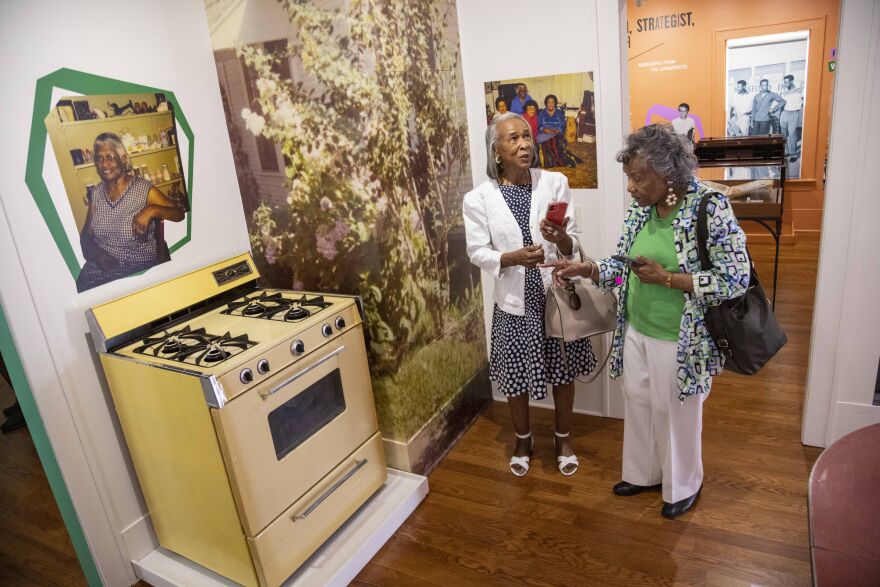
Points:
[(253, 309), (215, 354), (297, 313), (194, 347), (276, 307)]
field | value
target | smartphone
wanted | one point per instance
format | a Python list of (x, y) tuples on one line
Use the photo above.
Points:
[(556, 212), (627, 260)]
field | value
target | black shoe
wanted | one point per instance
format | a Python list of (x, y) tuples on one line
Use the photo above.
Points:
[(673, 510), (13, 409), (792, 159), (627, 489), (13, 422)]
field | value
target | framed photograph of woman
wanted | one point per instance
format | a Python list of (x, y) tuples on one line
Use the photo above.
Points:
[(119, 160)]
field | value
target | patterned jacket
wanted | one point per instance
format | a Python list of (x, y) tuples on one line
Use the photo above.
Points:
[(698, 357)]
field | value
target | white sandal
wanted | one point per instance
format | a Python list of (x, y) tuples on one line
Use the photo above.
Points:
[(566, 461), (522, 463)]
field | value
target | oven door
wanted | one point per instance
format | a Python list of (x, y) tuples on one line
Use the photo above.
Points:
[(284, 435)]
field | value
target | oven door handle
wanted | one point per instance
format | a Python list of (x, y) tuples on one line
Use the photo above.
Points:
[(267, 394), (329, 491)]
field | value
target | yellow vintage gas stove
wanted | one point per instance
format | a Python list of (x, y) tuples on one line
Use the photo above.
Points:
[(248, 414)]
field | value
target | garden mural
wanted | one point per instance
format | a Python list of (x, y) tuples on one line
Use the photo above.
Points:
[(349, 140)]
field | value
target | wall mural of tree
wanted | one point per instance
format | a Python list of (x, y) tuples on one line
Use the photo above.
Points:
[(375, 149)]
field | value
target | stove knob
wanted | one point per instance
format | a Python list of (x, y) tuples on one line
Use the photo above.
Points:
[(327, 330), (297, 347), (263, 366), (246, 376), (340, 323)]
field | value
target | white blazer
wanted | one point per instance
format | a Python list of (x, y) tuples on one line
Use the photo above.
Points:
[(491, 230)]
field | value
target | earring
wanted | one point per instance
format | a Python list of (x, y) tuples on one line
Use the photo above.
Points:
[(671, 198), (497, 159)]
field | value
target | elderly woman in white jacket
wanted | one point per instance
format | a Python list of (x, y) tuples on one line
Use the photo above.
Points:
[(508, 236)]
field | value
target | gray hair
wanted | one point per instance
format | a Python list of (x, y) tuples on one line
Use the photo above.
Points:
[(112, 140), (659, 146), (493, 170)]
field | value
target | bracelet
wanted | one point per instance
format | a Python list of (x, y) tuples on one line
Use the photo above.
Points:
[(592, 268), (669, 280)]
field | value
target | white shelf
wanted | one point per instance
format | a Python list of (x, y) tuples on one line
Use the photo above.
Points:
[(162, 184), (122, 118), (130, 156)]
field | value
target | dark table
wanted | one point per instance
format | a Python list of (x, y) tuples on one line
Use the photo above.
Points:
[(844, 506)]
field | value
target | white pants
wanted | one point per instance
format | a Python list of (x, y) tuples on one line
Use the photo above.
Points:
[(661, 434), (742, 122)]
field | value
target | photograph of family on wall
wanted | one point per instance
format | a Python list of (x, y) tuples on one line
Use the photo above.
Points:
[(561, 111)]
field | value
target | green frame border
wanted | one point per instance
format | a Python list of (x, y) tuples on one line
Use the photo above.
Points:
[(46, 454), (85, 83)]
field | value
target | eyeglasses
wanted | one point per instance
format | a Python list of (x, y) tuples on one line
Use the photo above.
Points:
[(574, 300)]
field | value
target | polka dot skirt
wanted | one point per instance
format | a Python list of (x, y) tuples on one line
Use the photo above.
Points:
[(522, 359)]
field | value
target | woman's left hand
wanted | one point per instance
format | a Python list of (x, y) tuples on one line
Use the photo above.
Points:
[(564, 269), (650, 271), (552, 232), (141, 222)]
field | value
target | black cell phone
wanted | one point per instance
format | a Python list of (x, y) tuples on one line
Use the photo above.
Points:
[(626, 259)]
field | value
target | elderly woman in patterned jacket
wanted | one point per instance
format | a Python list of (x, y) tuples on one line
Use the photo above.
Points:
[(508, 236), (119, 235), (661, 345)]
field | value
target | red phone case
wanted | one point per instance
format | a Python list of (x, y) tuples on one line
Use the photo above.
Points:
[(556, 212)]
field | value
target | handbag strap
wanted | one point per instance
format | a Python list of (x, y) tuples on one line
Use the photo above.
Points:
[(703, 232), (599, 368), (703, 240)]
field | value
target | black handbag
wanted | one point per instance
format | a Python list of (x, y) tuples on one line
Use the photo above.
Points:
[(744, 329)]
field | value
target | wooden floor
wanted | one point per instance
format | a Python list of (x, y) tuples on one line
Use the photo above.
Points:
[(480, 525), (34, 546)]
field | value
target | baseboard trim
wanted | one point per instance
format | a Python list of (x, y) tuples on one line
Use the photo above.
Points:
[(140, 538)]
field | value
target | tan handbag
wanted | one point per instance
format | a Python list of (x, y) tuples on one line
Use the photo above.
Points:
[(579, 310)]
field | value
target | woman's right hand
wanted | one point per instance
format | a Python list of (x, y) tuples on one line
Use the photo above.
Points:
[(563, 269), (528, 257)]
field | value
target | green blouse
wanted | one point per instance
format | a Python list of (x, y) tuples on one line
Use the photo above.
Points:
[(654, 309)]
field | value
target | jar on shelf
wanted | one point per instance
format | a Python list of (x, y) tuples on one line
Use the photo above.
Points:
[(166, 174), (90, 190)]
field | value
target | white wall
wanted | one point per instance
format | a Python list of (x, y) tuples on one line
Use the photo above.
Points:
[(498, 42), (164, 44), (846, 318)]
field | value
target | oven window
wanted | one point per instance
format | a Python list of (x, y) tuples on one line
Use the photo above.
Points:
[(295, 421)]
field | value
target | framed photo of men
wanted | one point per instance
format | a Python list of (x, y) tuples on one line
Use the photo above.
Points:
[(766, 92)]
